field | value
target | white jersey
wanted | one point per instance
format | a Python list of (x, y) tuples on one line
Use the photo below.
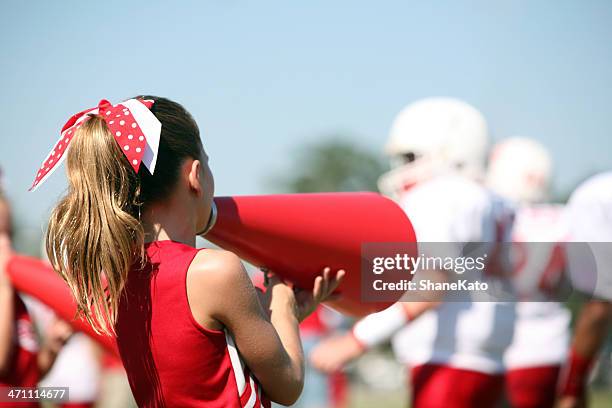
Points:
[(541, 334), (590, 222), (469, 335)]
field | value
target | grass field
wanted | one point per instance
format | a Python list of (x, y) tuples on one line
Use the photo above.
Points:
[(362, 397)]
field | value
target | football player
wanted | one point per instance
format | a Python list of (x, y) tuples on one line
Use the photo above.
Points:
[(520, 169), (453, 346)]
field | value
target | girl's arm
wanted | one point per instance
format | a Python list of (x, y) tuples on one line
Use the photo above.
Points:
[(7, 307), (221, 295)]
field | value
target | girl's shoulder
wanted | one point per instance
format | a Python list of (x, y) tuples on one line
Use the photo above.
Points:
[(217, 284), (216, 265), (218, 274)]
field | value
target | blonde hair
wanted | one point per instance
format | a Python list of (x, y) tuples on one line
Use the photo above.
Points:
[(94, 233), (95, 236)]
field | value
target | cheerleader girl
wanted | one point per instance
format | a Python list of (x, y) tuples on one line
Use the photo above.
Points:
[(191, 329)]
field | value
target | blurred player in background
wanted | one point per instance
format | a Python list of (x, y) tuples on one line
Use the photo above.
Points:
[(455, 349), (590, 266), (520, 170), (23, 360), (77, 364)]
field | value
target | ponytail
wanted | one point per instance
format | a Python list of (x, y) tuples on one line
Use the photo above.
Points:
[(94, 233)]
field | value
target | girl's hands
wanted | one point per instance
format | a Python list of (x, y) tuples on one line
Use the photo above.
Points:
[(302, 302), (322, 290)]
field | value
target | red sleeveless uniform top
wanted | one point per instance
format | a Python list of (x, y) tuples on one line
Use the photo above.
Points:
[(23, 370), (170, 359)]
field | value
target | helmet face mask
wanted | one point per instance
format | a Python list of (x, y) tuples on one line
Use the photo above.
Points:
[(432, 136), (406, 174), (403, 159)]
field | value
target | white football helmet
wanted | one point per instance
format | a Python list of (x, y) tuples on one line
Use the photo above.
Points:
[(520, 169), (431, 136)]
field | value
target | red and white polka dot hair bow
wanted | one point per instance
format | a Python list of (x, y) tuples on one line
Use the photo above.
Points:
[(131, 122)]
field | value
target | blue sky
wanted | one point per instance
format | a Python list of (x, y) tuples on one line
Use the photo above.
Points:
[(261, 77)]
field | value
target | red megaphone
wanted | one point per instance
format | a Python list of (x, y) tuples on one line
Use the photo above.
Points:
[(37, 279), (297, 235)]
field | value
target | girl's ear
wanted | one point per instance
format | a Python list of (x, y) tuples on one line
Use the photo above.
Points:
[(194, 177)]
